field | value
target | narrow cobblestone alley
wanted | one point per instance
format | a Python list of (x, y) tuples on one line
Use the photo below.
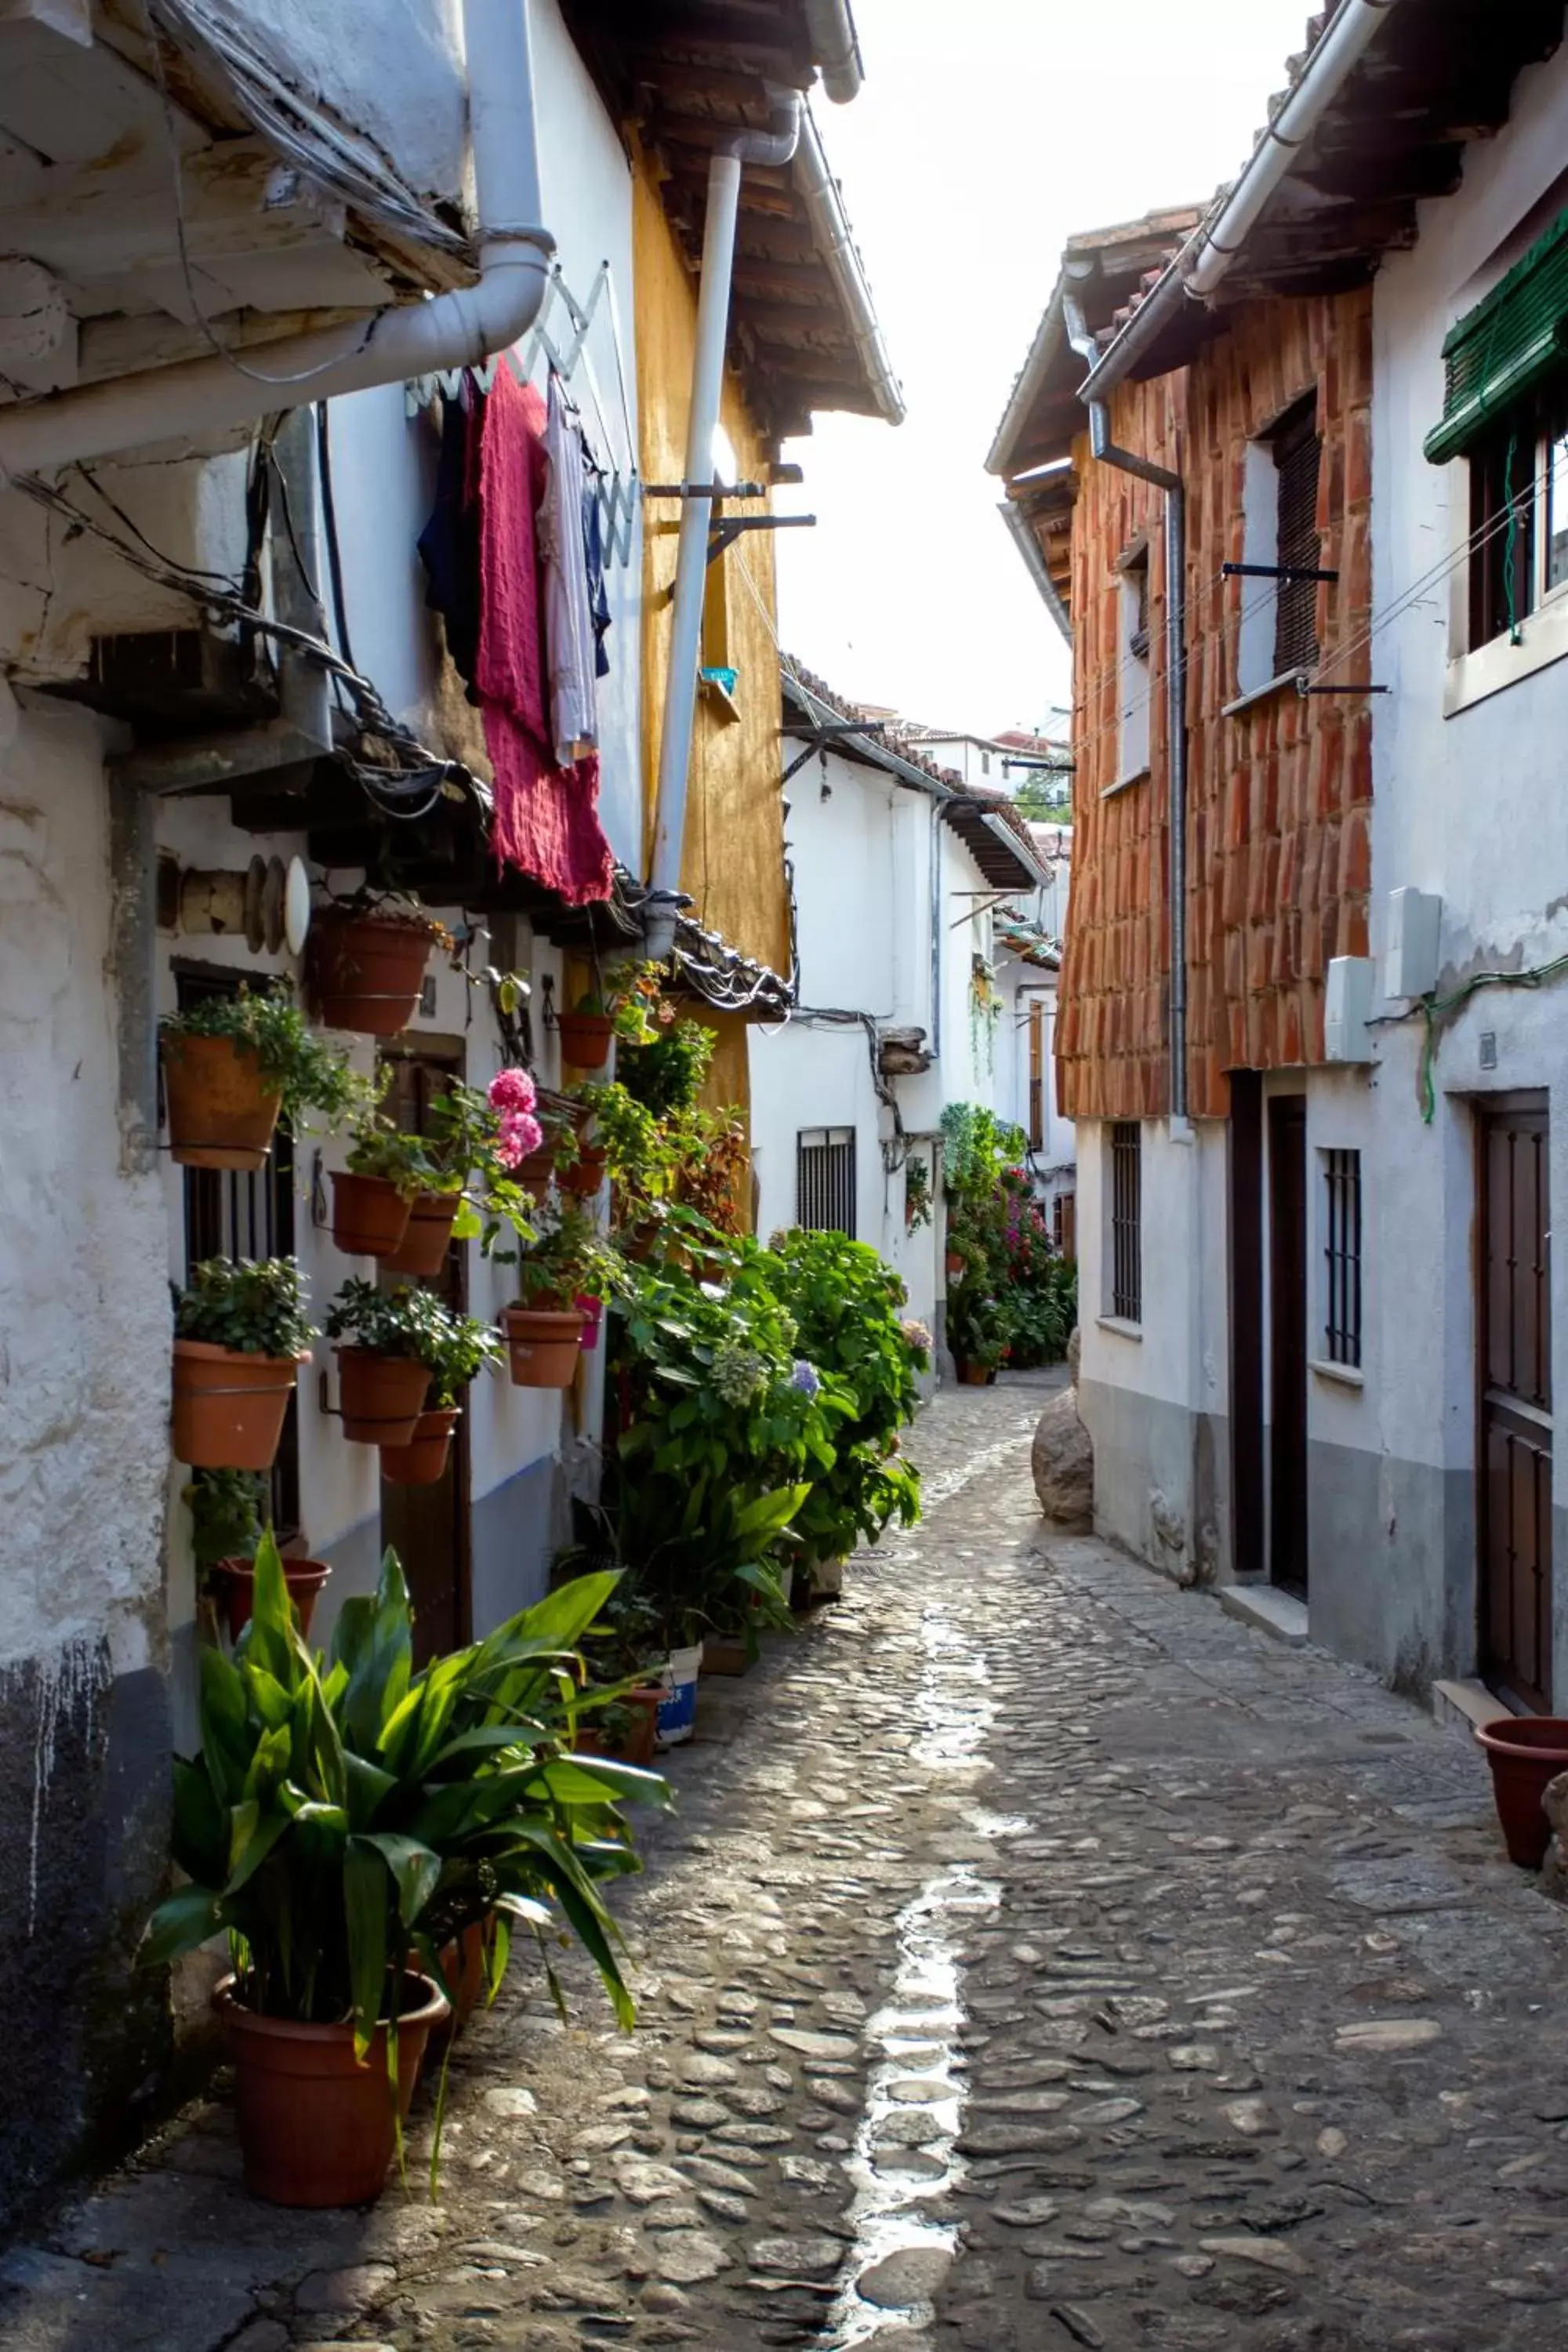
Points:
[(1038, 1958)]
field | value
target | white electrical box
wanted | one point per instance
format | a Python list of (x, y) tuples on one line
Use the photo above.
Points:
[(1347, 1008), (1415, 920)]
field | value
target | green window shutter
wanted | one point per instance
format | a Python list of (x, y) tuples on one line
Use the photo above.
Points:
[(1506, 345)]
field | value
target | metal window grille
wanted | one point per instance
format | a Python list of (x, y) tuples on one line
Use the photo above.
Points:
[(1503, 523), (1127, 1220), (824, 1180), (1298, 452), (1341, 1253), (230, 1215)]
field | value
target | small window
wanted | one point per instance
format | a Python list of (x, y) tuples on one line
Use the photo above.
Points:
[(1518, 515), (1341, 1257), (824, 1180), (1064, 1225), (1133, 669), (1278, 631), (1126, 1287), (1036, 1074), (1298, 456)]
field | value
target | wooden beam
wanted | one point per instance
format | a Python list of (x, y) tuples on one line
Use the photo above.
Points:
[(100, 221)]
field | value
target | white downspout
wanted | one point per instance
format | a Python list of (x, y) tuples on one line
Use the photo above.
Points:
[(775, 146), (462, 328)]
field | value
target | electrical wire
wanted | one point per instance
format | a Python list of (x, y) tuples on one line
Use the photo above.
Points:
[(181, 238)]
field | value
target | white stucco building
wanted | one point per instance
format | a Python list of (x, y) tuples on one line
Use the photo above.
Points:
[(906, 886)]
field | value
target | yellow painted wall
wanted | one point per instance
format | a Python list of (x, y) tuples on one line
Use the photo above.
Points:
[(732, 855)]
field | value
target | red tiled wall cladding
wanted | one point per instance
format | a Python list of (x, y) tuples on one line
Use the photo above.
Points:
[(1279, 862)]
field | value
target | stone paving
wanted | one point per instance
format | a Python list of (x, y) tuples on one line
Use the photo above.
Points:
[(1038, 1958)]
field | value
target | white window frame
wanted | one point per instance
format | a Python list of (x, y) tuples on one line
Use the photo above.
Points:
[(1134, 673), (1255, 674), (1477, 672)]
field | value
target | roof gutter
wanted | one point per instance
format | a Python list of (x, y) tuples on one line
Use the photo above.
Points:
[(834, 241), (1030, 547), (1201, 267), (461, 327), (836, 46)]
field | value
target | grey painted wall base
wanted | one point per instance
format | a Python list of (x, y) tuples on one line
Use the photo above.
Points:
[(1391, 1549), (1160, 1479), (517, 1527), (84, 1825)]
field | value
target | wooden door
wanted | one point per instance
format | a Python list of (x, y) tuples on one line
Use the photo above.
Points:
[(1515, 1354), (1287, 1341), (428, 1527), (1248, 1453)]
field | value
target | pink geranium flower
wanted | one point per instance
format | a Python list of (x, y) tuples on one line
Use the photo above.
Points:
[(512, 1090), (520, 1134)]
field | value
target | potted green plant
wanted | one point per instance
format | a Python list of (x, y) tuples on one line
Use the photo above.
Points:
[(383, 1341), (476, 1154), (917, 1195), (230, 1510), (345, 1824), (545, 1327), (367, 960), (373, 1198), (456, 1348), (232, 1064), (622, 1006), (241, 1334)]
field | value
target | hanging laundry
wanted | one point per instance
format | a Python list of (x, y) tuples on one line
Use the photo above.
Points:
[(568, 618), (546, 814), (594, 552), (449, 542)]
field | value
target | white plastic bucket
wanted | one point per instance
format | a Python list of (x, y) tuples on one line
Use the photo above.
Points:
[(678, 1709)]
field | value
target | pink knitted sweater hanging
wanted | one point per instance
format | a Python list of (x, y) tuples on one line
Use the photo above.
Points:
[(546, 818)]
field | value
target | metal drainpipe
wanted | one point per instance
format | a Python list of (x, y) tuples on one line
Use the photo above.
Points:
[(936, 809), (1128, 462), (776, 146)]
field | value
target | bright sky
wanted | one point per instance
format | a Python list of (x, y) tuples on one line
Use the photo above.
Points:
[(986, 133)]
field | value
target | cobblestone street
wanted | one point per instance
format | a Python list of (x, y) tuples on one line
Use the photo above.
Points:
[(1038, 1958)]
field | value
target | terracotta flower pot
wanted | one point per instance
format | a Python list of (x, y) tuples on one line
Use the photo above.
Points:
[(366, 971), (954, 1265), (463, 1964), (725, 1653), (537, 1173), (315, 2127), (635, 1743), (304, 1579), (544, 1344), (585, 1039), (423, 1250), (975, 1376), (229, 1408), (1525, 1752), (380, 1397), (423, 1461), (586, 1173), (370, 1215), (222, 1111)]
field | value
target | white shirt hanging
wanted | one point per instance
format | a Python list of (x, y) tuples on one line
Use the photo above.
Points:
[(569, 638)]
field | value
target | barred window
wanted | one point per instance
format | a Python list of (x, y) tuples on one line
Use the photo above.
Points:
[(824, 1180), (1127, 1220), (1341, 1257), (234, 1215)]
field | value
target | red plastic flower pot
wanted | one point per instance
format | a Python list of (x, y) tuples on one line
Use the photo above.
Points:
[(423, 1250), (543, 1345), (304, 1579), (370, 1215), (585, 1039), (1525, 1752), (586, 1173), (380, 1397), (222, 1111), (366, 971), (229, 1408), (423, 1461), (316, 2128)]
